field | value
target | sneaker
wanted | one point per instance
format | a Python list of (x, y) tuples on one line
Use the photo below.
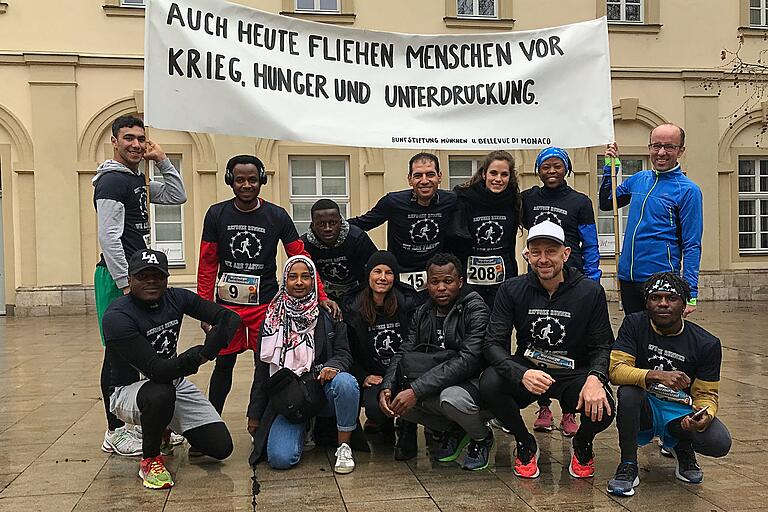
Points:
[(625, 480), (451, 445), (166, 446), (495, 423), (688, 469), (122, 441), (526, 461), (665, 452), (176, 439), (544, 420), (582, 461), (568, 425), (344, 461), (153, 473), (478, 453)]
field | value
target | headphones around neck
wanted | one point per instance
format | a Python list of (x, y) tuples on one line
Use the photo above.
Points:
[(229, 177)]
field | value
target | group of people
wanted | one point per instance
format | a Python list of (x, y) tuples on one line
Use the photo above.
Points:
[(420, 334)]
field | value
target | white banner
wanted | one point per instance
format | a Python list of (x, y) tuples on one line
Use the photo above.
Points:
[(217, 67)]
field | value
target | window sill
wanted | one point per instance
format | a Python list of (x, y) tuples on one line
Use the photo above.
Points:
[(3, 7), (754, 32), (753, 252), (635, 28), (494, 23), (343, 18), (126, 12)]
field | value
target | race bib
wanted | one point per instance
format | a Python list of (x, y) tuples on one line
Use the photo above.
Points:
[(544, 359), (665, 393), (416, 279), (485, 270), (239, 288)]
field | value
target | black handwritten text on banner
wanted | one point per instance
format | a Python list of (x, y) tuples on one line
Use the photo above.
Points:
[(213, 66)]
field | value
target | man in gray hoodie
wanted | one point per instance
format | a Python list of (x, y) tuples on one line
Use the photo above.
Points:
[(120, 197)]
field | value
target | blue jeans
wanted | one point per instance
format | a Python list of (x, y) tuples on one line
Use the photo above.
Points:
[(285, 442)]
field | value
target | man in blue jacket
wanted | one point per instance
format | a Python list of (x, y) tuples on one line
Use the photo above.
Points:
[(665, 222)]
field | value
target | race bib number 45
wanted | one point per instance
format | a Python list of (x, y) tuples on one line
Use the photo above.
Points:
[(416, 279), (485, 270), (239, 288)]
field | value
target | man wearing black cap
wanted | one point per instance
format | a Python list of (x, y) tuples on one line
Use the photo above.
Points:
[(667, 370), (564, 340), (147, 384)]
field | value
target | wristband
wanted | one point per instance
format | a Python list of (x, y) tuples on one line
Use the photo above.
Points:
[(692, 302), (609, 159)]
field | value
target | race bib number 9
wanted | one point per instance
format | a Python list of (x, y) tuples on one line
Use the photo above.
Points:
[(416, 279), (485, 270), (239, 288)]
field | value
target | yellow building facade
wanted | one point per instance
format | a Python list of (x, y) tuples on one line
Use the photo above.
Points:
[(67, 69)]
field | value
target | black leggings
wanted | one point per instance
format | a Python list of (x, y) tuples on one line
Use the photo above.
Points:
[(632, 297), (221, 380), (635, 415), (506, 399), (370, 399), (156, 403), (106, 373)]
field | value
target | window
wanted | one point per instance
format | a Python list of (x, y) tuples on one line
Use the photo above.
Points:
[(313, 179), (476, 8), (167, 221), (318, 5), (758, 13), (132, 3), (461, 169), (753, 205), (625, 11), (606, 241)]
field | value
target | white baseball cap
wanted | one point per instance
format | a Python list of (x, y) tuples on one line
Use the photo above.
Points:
[(548, 230)]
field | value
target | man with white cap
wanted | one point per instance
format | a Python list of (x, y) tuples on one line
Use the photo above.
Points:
[(564, 341)]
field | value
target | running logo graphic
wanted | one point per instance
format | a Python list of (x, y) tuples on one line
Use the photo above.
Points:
[(335, 271), (165, 343), (424, 231), (245, 246), (548, 330), (550, 216), (386, 343), (489, 233)]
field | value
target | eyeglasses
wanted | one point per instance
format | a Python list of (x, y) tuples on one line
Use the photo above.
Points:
[(667, 147)]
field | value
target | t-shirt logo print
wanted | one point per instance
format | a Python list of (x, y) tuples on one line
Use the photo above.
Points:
[(386, 342), (165, 343), (489, 233), (424, 231), (141, 197), (335, 271), (548, 330), (661, 363), (245, 246), (550, 216)]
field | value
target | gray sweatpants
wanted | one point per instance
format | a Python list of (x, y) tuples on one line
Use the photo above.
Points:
[(453, 406)]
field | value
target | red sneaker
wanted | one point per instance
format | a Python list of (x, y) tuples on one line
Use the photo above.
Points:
[(526, 462), (568, 425), (544, 420), (582, 462), (153, 473)]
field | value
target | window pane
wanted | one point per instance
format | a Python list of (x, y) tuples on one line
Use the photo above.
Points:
[(746, 224), (344, 208), (333, 168), (302, 216), (764, 224), (754, 3), (605, 225), (460, 168), (632, 1), (334, 186), (764, 240), (614, 12), (631, 166), (167, 232), (746, 207), (746, 167), (167, 213), (746, 185), (305, 4), (487, 7), (746, 241), (464, 7), (302, 167), (328, 5), (754, 17), (633, 13), (303, 186)]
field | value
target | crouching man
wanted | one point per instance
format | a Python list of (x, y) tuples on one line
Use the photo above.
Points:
[(436, 369), (668, 373), (147, 384)]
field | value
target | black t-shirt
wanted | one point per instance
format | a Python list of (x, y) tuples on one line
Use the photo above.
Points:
[(563, 206), (342, 268), (385, 336), (439, 330), (493, 234), (247, 246), (130, 190), (415, 233), (695, 352)]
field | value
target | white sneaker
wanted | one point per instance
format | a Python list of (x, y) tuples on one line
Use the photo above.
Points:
[(122, 441), (344, 461), (176, 439)]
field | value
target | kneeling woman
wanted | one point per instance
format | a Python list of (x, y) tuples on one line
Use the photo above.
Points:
[(300, 336)]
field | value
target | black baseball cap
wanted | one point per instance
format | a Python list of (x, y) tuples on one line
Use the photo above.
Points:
[(148, 258)]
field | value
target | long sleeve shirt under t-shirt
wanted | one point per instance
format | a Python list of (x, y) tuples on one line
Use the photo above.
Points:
[(142, 338), (415, 233)]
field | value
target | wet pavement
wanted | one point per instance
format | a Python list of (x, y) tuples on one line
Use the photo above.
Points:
[(52, 425)]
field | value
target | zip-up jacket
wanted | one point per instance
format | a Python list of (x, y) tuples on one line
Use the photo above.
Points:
[(573, 211), (664, 227), (464, 328), (573, 323)]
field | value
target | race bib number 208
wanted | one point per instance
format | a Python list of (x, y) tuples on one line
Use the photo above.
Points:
[(485, 270)]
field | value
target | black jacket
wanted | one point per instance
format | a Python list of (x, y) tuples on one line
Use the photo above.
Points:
[(573, 322), (464, 329)]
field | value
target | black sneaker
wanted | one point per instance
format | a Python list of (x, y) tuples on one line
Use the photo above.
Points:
[(625, 480), (688, 469), (478, 453)]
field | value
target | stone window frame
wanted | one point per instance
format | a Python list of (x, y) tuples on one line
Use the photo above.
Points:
[(345, 16), (503, 19), (651, 19), (116, 8), (745, 28)]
